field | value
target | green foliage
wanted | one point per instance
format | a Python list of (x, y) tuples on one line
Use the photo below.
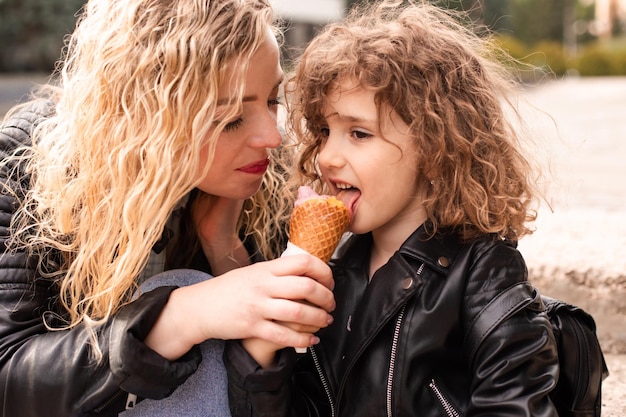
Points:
[(32, 32), (536, 20), (594, 61), (512, 46), (533, 32), (600, 60), (548, 58), (527, 65)]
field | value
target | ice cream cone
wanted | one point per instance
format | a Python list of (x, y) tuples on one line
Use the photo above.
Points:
[(317, 225)]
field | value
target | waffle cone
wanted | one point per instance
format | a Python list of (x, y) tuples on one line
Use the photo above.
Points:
[(317, 226)]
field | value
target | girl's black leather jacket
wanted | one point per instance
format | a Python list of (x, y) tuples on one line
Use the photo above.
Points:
[(399, 347), (53, 373)]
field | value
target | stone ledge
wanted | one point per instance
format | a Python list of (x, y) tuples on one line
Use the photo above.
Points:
[(599, 294)]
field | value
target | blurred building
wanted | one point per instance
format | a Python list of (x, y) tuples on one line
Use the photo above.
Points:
[(610, 18), (303, 18)]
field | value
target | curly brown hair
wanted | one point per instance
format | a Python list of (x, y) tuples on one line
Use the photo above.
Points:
[(442, 79)]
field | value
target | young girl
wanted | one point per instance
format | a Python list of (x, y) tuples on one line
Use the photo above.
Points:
[(401, 115)]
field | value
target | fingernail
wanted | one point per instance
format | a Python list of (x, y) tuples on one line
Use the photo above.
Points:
[(315, 340), (330, 320)]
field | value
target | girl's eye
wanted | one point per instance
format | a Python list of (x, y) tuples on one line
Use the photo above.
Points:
[(360, 135), (274, 102), (233, 125), (324, 132)]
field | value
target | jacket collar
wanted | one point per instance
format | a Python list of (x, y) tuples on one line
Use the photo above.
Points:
[(438, 252)]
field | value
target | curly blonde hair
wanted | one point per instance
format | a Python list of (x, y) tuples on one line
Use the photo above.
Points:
[(427, 65), (137, 98)]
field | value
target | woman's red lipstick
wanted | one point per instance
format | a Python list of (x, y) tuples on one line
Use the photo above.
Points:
[(258, 167)]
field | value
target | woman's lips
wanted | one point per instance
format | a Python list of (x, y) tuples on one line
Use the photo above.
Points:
[(258, 167)]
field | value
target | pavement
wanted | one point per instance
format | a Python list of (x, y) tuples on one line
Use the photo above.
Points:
[(14, 88), (578, 252)]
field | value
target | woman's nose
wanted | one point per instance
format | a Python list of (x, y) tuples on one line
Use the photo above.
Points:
[(268, 135)]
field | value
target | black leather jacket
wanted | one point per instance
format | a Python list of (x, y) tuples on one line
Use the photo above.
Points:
[(52, 373), (398, 345)]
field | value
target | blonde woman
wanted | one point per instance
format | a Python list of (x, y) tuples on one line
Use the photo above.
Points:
[(156, 152)]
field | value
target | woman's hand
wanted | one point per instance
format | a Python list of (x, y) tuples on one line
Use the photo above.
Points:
[(250, 302), (264, 351), (216, 221)]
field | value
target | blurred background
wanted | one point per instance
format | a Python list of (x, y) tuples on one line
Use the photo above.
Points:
[(585, 37), (556, 38), (575, 105)]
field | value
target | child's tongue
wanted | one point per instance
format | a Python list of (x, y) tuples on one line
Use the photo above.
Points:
[(349, 197)]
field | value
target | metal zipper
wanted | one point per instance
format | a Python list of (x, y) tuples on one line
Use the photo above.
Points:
[(447, 406), (392, 359), (131, 401), (323, 379), (108, 403), (394, 348)]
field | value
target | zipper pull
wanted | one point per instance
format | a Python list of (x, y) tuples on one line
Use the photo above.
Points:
[(131, 400)]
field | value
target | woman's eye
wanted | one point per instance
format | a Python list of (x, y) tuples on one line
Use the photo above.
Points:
[(233, 125), (324, 132)]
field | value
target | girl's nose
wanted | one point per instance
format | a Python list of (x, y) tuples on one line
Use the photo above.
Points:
[(330, 155)]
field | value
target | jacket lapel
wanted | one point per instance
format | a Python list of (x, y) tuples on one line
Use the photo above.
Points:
[(388, 291)]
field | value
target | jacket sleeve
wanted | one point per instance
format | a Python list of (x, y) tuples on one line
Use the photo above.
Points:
[(52, 373), (292, 388), (510, 345), (253, 391)]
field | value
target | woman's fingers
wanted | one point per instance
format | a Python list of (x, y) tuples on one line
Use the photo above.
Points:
[(283, 335), (298, 313), (300, 328), (303, 265), (301, 289), (252, 301)]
